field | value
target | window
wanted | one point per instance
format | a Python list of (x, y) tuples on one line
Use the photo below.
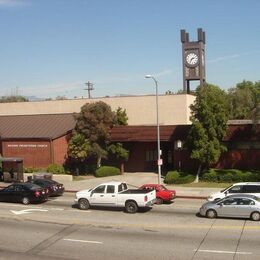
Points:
[(100, 189), (110, 189), (230, 202), (252, 189), (10, 188), (236, 189), (122, 187), (246, 202), (18, 188), (151, 156)]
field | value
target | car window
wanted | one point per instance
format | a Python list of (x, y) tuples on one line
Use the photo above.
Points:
[(100, 189), (18, 188), (246, 202), (110, 189), (10, 188), (252, 189), (230, 202), (236, 189), (122, 187), (163, 187), (226, 188)]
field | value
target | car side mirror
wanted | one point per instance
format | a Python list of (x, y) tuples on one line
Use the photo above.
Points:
[(226, 192), (221, 204), (92, 192)]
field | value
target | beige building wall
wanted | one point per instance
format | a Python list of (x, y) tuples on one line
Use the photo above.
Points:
[(141, 110)]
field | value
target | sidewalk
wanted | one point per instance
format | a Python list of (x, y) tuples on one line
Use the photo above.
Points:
[(139, 178), (135, 180)]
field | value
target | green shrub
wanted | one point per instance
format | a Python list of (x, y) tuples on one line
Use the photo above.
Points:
[(56, 169), (210, 176), (104, 171), (230, 175), (29, 170), (174, 177), (32, 169), (171, 177), (185, 179)]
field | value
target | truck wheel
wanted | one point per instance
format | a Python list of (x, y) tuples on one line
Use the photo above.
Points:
[(159, 201), (131, 207), (83, 204)]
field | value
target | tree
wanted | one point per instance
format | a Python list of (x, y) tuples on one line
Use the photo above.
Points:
[(244, 100), (78, 147), (120, 153), (94, 122), (121, 117), (209, 115), (7, 99)]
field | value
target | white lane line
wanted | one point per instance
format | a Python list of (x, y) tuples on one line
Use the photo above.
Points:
[(224, 252), (83, 241)]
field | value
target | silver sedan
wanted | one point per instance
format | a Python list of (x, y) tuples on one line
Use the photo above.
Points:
[(235, 206)]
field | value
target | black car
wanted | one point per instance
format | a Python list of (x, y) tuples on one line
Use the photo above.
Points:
[(54, 188), (24, 193)]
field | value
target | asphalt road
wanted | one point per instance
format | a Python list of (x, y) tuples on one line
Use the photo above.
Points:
[(58, 230)]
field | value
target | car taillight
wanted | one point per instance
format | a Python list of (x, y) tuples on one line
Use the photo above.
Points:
[(37, 193), (145, 198), (47, 191)]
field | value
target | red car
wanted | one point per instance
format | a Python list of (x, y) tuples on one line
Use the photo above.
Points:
[(162, 193)]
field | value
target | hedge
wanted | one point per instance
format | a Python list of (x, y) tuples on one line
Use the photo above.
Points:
[(230, 175), (56, 169), (104, 171), (174, 177)]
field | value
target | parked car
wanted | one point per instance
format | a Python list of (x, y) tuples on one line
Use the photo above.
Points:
[(251, 188), (237, 206), (115, 194), (54, 188), (24, 193), (162, 193)]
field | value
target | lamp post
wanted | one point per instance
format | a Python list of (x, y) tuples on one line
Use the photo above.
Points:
[(159, 161)]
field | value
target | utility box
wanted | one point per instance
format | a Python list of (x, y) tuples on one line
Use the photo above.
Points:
[(11, 169)]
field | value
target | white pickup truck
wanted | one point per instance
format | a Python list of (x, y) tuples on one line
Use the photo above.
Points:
[(115, 194)]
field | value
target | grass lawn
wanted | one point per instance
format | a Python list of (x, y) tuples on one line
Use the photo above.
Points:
[(205, 185)]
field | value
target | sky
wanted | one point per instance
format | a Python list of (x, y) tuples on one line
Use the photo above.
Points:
[(51, 48)]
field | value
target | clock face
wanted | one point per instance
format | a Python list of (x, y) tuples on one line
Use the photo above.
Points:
[(192, 59)]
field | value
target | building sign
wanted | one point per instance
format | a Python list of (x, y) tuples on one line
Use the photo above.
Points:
[(27, 145)]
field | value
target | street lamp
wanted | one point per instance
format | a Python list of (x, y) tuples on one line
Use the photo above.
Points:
[(159, 161)]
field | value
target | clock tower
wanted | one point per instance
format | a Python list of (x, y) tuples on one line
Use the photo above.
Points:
[(193, 58)]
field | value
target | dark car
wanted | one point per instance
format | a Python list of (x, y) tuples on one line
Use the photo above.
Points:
[(54, 188), (23, 192)]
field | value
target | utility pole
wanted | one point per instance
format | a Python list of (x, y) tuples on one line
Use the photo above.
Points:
[(89, 88)]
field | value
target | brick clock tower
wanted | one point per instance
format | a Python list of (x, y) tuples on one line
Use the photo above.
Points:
[(193, 59)]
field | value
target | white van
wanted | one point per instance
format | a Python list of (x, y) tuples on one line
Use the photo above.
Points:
[(252, 188)]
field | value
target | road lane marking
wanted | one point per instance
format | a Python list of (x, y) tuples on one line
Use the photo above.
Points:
[(26, 211), (223, 252), (82, 241)]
